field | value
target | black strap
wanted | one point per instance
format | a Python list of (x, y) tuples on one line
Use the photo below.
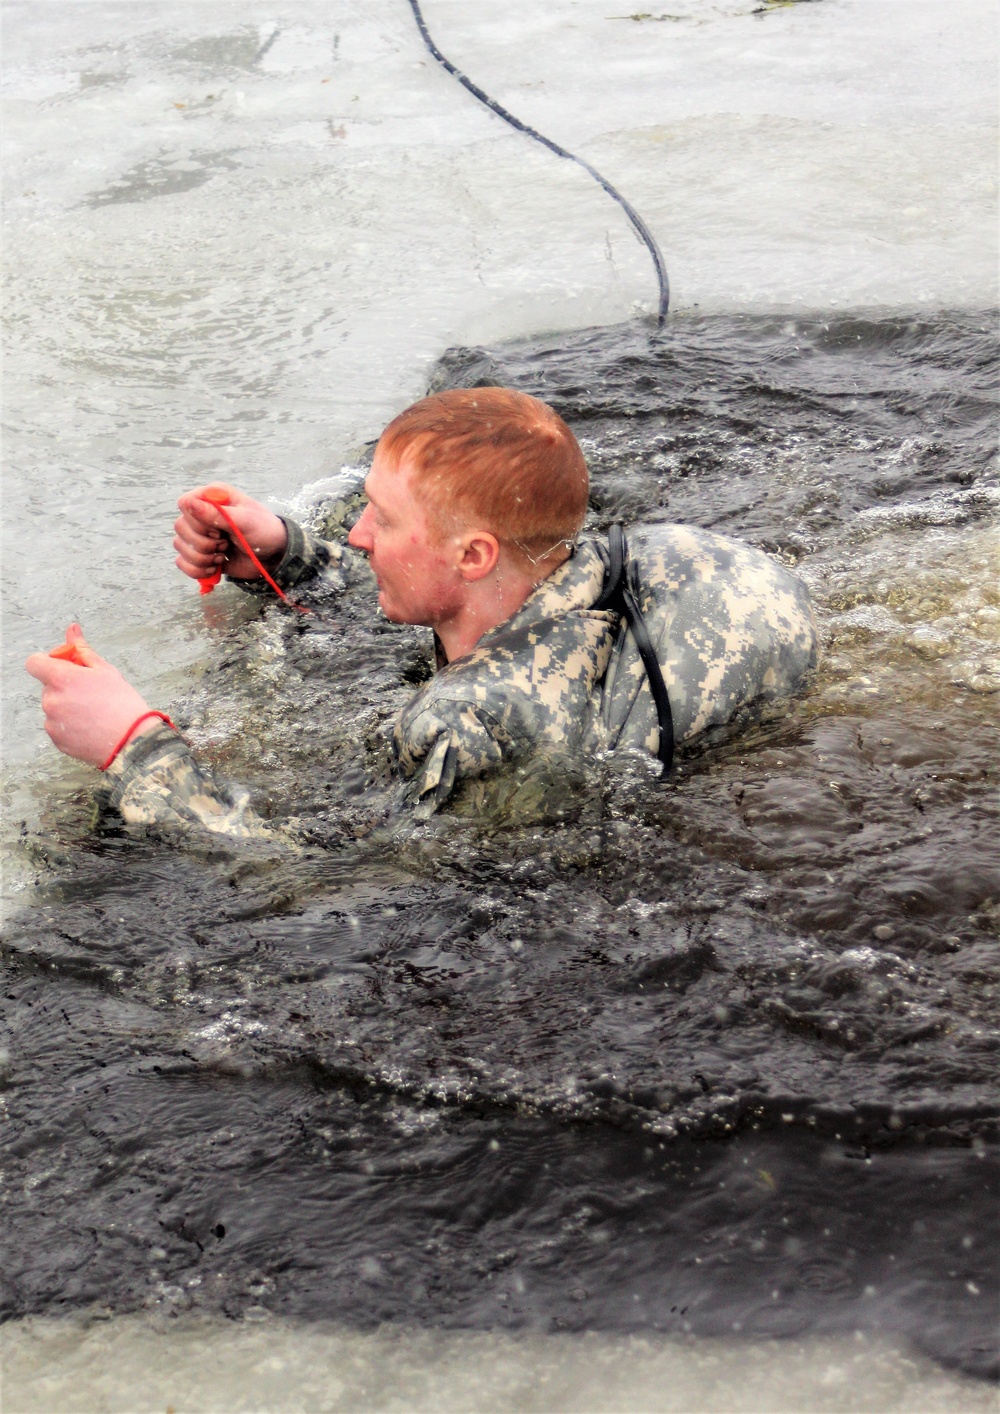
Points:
[(610, 597), (622, 593)]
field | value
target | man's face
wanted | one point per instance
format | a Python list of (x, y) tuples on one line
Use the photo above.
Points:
[(416, 568)]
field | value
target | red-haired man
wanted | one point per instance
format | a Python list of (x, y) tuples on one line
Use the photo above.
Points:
[(476, 501)]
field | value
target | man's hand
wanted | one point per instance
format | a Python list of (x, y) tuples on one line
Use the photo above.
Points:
[(203, 546), (87, 709)]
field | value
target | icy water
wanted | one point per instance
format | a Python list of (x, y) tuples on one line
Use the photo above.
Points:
[(621, 1092), (699, 1058)]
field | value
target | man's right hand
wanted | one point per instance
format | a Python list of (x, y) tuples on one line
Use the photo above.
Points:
[(201, 542)]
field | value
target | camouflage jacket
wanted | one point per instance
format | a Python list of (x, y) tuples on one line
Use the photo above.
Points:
[(559, 679)]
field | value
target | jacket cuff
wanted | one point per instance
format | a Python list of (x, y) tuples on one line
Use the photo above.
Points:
[(305, 556), (139, 756)]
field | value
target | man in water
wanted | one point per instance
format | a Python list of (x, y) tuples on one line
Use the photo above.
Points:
[(476, 501)]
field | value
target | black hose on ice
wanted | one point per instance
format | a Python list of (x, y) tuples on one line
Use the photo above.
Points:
[(643, 231)]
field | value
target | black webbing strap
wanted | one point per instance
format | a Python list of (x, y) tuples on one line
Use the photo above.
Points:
[(621, 593)]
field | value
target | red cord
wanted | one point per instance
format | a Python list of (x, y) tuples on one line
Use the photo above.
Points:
[(207, 585), (163, 718)]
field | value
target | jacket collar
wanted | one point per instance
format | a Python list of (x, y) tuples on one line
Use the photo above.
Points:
[(574, 586)]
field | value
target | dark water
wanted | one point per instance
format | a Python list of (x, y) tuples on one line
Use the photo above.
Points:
[(714, 1056)]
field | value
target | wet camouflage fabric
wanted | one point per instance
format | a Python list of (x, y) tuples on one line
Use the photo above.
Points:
[(528, 686), (731, 627), (558, 680), (157, 781)]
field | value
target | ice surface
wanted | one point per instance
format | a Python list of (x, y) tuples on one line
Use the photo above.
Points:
[(190, 1365)]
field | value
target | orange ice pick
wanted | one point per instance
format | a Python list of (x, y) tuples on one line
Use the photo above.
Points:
[(215, 497), (69, 653)]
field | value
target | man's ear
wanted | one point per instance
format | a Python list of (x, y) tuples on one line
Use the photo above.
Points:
[(480, 554)]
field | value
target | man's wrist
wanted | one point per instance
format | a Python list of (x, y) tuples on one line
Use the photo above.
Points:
[(140, 728), (271, 561), (273, 556), (136, 760), (148, 721)]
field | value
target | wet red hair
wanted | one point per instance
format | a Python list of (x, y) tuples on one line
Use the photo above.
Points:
[(500, 458)]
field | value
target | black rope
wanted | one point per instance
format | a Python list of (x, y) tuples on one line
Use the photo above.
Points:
[(643, 231)]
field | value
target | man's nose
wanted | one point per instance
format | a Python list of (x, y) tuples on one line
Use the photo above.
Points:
[(360, 536)]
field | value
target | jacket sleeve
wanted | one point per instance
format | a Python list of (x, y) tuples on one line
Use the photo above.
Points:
[(156, 780), (443, 744), (323, 566)]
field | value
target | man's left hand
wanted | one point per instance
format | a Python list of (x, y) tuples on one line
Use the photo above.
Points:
[(87, 709)]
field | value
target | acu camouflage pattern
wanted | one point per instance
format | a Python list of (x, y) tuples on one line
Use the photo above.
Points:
[(558, 680), (157, 781), (731, 628)]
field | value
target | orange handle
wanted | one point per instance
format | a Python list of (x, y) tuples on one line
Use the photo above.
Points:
[(215, 496), (69, 653)]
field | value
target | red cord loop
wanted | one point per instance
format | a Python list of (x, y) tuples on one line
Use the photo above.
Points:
[(124, 741)]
